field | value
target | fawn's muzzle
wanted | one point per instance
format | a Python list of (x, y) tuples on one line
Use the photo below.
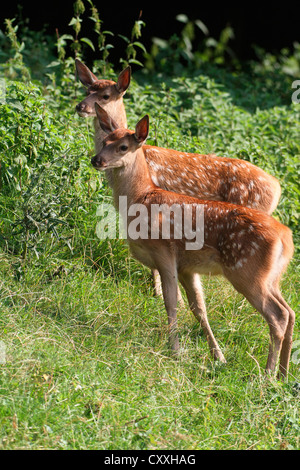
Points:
[(83, 110), (98, 162)]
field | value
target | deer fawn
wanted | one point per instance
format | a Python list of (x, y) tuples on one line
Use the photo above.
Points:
[(106, 93), (250, 248), (201, 176)]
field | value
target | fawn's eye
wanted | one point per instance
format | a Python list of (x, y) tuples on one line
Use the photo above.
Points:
[(105, 97), (123, 148)]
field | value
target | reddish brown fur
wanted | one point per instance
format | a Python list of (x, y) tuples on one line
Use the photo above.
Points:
[(100, 84), (235, 232), (212, 177), (250, 248)]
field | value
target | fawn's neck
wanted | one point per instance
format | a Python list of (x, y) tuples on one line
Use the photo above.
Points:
[(132, 180), (116, 110)]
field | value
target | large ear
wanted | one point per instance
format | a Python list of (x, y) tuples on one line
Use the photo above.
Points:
[(106, 122), (124, 80), (142, 130), (84, 74)]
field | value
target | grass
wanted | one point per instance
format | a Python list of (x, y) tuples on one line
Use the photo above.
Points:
[(87, 364), (88, 367)]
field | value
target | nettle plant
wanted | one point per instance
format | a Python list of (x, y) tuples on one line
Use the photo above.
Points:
[(40, 166), (97, 41)]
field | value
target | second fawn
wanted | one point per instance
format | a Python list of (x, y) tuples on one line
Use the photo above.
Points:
[(250, 248), (108, 94)]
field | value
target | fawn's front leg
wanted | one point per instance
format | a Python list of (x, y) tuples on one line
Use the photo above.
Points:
[(158, 288), (192, 285), (169, 288)]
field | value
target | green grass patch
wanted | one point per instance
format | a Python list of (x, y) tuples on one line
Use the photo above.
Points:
[(88, 367)]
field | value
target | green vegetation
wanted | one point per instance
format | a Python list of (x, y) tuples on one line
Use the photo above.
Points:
[(87, 363)]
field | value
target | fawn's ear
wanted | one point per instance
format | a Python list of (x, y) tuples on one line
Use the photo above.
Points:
[(84, 74), (142, 130), (106, 122), (124, 80)]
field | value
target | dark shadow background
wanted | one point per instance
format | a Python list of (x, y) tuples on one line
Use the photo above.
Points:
[(271, 26)]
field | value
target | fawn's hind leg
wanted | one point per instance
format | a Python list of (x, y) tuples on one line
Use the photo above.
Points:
[(277, 317), (261, 295), (288, 337)]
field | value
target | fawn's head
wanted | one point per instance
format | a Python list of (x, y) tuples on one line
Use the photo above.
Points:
[(101, 92), (120, 145)]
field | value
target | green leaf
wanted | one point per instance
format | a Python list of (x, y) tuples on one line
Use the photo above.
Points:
[(15, 104), (139, 44), (202, 26), (88, 42), (66, 36), (124, 37), (137, 62), (182, 18), (34, 150), (54, 63), (75, 20)]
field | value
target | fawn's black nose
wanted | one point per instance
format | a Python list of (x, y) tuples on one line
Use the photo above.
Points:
[(94, 161), (80, 107), (98, 162)]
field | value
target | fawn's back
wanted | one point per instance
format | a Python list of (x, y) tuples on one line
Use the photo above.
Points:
[(213, 178)]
